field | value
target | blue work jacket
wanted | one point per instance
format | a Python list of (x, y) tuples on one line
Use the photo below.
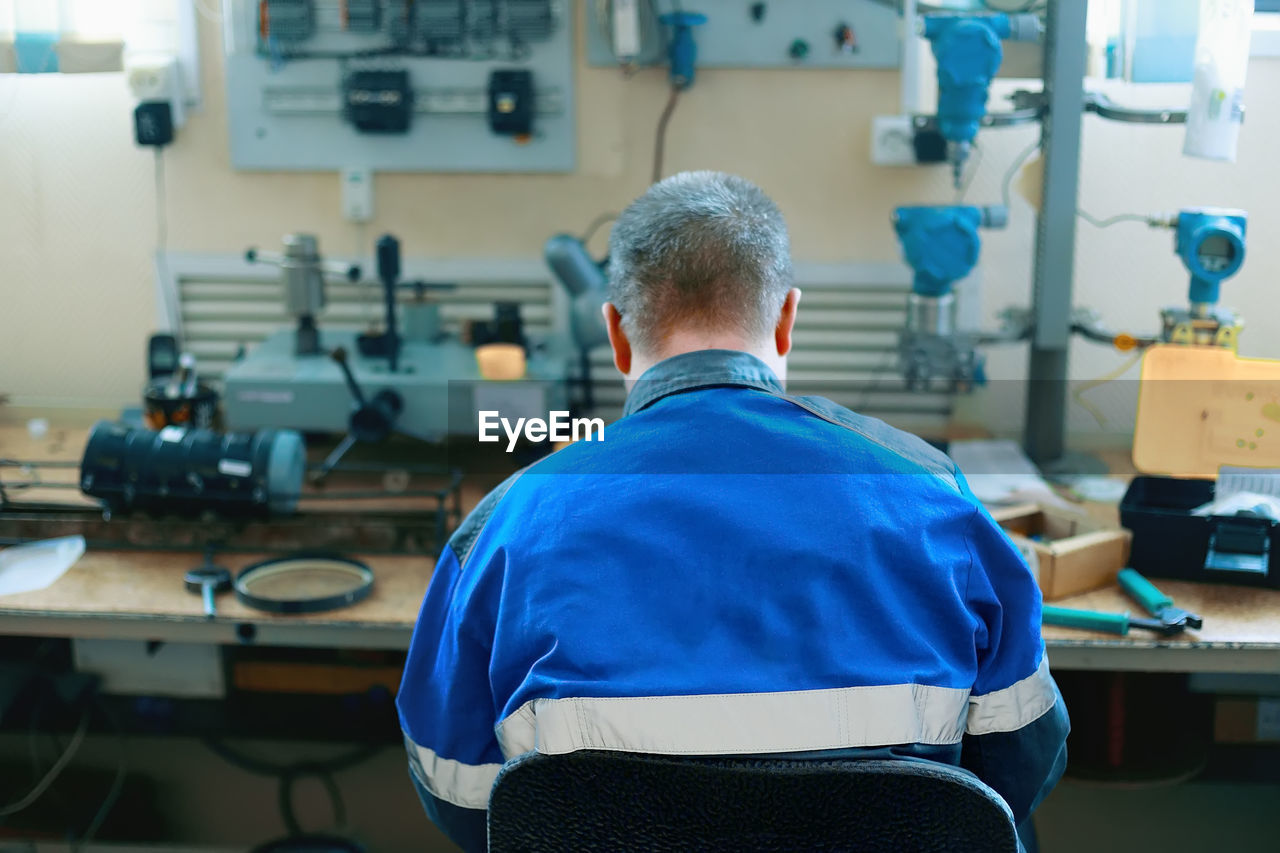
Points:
[(731, 571)]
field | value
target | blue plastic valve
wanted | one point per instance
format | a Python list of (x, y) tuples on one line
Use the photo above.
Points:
[(683, 50)]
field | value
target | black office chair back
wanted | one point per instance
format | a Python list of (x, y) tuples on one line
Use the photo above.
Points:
[(595, 800)]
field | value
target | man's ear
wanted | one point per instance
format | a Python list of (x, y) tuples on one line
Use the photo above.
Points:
[(787, 321), (617, 339)]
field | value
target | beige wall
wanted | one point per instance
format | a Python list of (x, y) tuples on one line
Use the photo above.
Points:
[(77, 223)]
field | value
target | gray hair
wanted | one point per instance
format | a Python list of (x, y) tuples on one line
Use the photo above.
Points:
[(702, 250)]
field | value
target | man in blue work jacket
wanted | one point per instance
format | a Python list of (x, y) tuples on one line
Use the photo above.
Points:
[(733, 570)]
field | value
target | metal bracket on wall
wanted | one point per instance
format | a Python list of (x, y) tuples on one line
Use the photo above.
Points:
[(1106, 108)]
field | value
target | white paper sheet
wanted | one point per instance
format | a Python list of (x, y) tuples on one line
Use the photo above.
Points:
[(1233, 481), (1000, 473), (36, 565)]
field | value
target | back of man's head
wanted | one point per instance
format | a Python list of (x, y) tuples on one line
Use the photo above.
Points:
[(700, 251)]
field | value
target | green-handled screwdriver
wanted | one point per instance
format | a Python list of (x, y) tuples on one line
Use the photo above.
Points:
[(1169, 620), (1111, 623), (1156, 602)]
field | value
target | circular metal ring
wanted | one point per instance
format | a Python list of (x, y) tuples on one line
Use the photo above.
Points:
[(299, 564)]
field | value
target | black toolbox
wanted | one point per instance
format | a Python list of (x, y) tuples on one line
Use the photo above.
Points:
[(1170, 542)]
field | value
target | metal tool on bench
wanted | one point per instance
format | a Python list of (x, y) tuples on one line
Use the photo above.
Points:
[(290, 380), (307, 582), (208, 580), (1168, 619)]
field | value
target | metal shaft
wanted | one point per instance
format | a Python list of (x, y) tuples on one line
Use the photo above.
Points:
[(1045, 424), (206, 593)]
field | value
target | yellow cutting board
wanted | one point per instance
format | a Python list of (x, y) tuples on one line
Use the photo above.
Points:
[(1200, 408)]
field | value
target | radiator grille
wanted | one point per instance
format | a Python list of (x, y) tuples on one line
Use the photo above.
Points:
[(844, 342)]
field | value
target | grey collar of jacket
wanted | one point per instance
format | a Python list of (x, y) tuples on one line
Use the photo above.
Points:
[(709, 368)]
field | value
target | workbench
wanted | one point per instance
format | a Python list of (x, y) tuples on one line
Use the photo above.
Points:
[(140, 595)]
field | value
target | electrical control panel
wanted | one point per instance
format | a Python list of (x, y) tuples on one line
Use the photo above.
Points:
[(400, 85), (750, 33)]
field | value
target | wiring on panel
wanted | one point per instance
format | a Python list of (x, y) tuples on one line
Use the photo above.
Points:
[(651, 32), (457, 34)]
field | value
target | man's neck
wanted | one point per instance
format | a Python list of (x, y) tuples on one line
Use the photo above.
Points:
[(681, 342)]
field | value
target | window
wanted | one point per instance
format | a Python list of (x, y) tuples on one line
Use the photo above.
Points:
[(81, 36), (1154, 41), (1266, 28)]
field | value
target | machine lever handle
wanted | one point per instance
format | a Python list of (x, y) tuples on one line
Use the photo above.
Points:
[(256, 256), (339, 355), (351, 272)]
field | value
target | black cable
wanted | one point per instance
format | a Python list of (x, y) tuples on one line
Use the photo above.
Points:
[(117, 784), (288, 774), (65, 755), (52, 774), (266, 768), (284, 795), (660, 141), (38, 767)]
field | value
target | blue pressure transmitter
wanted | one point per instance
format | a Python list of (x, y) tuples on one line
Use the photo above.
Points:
[(968, 53), (1210, 242), (941, 244)]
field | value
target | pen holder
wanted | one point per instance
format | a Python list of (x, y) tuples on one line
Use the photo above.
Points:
[(199, 410)]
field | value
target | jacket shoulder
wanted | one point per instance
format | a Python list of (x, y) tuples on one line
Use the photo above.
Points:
[(909, 448), (464, 538)]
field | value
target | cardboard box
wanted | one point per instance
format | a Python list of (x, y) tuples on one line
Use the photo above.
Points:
[(1075, 552), (1255, 719)]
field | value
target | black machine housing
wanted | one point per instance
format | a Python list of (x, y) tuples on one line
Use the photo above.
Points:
[(191, 471)]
